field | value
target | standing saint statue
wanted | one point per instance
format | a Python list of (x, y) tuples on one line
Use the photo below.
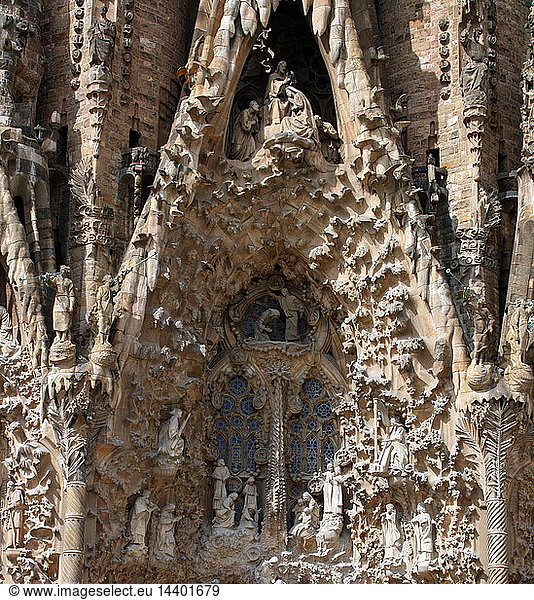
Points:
[(64, 303), (250, 514), (246, 127), (292, 308), (220, 474), (15, 509), (140, 518), (394, 449), (423, 541), (101, 313), (391, 533), (333, 491), (102, 40)]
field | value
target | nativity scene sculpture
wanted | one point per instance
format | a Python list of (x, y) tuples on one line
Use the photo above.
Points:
[(284, 126)]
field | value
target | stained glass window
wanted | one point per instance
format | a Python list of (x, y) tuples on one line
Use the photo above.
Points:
[(237, 426), (312, 432)]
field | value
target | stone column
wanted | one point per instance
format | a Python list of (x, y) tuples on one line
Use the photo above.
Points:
[(498, 560), (73, 551), (275, 522)]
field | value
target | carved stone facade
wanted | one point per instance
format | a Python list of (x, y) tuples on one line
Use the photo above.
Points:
[(265, 319)]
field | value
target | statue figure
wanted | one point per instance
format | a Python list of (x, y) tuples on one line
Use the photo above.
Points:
[(329, 140), (35, 321), (8, 345), (292, 308), (220, 474), (391, 533), (244, 137), (394, 454), (275, 99), (250, 514), (517, 334), (165, 544), (170, 441), (333, 491), (299, 119), (64, 302), (140, 518), (483, 327), (261, 328), (306, 520), (474, 71), (423, 541), (101, 36), (101, 313), (225, 514), (15, 511)]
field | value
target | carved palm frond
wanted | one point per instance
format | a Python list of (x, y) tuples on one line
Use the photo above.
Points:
[(470, 436), (82, 184), (497, 439)]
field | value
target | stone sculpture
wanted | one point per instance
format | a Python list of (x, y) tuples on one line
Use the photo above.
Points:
[(220, 475), (307, 513), (423, 539), (292, 308), (276, 102), (225, 513), (171, 445), (102, 40), (394, 454), (64, 303), (165, 544), (139, 521), (101, 313), (391, 533), (250, 513), (9, 347), (15, 520), (261, 328), (246, 128)]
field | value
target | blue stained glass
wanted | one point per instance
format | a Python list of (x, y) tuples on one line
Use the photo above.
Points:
[(227, 404), (312, 455), (323, 410), (329, 429), (238, 386), (312, 425), (296, 427), (253, 425), (328, 452), (251, 453), (221, 446), (296, 456), (236, 459), (247, 406), (312, 388), (237, 421), (220, 424), (305, 412)]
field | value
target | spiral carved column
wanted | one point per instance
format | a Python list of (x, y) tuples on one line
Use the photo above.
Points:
[(498, 562), (73, 551)]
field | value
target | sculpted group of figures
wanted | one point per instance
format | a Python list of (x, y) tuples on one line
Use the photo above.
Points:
[(164, 545), (224, 503), (285, 115)]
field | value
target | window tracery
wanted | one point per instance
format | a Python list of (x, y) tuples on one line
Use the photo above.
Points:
[(312, 431), (237, 426)]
